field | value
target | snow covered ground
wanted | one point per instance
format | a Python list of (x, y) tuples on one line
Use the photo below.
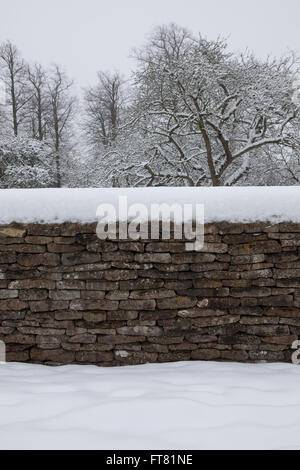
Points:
[(235, 204), (187, 405)]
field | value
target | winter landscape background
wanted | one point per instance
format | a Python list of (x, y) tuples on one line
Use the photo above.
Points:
[(192, 111)]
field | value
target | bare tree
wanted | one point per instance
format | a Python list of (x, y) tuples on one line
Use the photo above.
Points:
[(14, 74), (37, 79), (61, 111), (103, 109)]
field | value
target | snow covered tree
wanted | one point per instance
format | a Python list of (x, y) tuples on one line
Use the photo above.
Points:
[(61, 110), (25, 163), (103, 105), (208, 115)]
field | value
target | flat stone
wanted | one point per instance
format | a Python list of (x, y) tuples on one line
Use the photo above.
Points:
[(266, 356), (38, 240), (68, 315), (137, 247), (153, 258), (120, 275), (248, 259), (26, 330), (178, 302), (8, 258), (48, 305), (219, 321), (46, 230), (251, 292), (102, 285), (165, 247), (198, 268), (187, 258), (72, 259), (137, 304), (12, 304), (201, 312), (94, 357), (64, 295), (277, 301), (13, 232), (259, 247), (205, 354), (72, 285), (140, 331), (56, 355), (8, 294), (268, 330), (32, 284), (122, 315), (236, 356), (93, 295), (215, 248), (152, 294), (120, 339), (174, 356), (19, 338), (199, 338), (83, 338), (118, 256), (283, 312), (94, 317), (282, 340), (101, 304), (49, 340), (141, 284), (117, 295), (45, 259), (287, 274), (20, 248)]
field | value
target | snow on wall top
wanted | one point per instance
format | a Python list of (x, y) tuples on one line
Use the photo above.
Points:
[(236, 204)]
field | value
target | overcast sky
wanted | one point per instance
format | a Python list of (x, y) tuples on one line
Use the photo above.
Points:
[(89, 35)]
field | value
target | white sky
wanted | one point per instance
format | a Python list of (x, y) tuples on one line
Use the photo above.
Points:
[(89, 35)]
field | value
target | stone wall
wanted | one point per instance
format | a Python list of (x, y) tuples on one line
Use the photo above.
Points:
[(66, 297)]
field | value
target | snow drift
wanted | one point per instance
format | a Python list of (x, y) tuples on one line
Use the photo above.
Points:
[(234, 204), (155, 406)]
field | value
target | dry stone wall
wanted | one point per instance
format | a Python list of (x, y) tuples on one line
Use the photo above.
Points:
[(67, 297)]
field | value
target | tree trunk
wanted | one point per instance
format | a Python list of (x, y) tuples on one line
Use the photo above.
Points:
[(14, 106), (58, 172)]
